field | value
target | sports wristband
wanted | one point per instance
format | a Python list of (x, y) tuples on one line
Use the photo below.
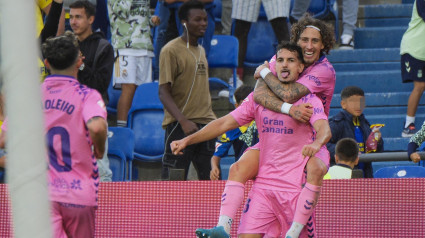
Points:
[(285, 108), (264, 72)]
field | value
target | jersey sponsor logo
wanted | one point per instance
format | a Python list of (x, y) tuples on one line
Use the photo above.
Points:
[(317, 110), (314, 79), (275, 126), (101, 104)]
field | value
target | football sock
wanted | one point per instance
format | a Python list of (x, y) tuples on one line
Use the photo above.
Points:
[(231, 200)]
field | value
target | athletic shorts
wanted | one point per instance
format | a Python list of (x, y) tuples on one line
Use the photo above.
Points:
[(71, 220), (412, 69), (270, 213), (322, 154), (132, 70), (248, 10)]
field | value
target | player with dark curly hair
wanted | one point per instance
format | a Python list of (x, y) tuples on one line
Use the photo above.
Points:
[(315, 38)]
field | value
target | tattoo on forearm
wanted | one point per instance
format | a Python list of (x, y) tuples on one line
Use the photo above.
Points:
[(264, 96), (289, 93)]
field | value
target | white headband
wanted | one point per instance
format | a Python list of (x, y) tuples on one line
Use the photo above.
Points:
[(314, 27)]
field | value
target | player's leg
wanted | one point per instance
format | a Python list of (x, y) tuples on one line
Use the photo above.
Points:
[(79, 220), (317, 167), (241, 171), (125, 73)]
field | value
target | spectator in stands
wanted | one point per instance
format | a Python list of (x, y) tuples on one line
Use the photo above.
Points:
[(240, 138), (226, 17), (316, 38), (43, 7), (184, 91), (350, 122), (416, 141), (412, 51), (54, 21), (349, 19), (346, 158), (98, 60), (167, 30), (130, 22), (74, 198), (284, 144), (245, 12)]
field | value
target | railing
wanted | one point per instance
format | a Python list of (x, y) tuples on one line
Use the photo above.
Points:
[(387, 156)]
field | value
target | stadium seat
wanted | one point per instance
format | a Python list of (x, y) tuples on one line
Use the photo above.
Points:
[(400, 172), (120, 152), (145, 119), (114, 96), (223, 54), (262, 42)]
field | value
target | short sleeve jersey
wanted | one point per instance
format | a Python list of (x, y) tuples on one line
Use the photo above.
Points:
[(282, 139), (319, 78), (413, 39), (68, 106), (177, 65)]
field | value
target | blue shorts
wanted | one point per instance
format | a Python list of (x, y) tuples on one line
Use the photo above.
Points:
[(412, 69)]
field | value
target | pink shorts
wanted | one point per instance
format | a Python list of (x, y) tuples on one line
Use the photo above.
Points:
[(71, 220), (271, 213), (322, 154)]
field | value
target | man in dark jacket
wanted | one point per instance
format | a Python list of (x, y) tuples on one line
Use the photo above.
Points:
[(96, 71), (98, 53), (351, 123)]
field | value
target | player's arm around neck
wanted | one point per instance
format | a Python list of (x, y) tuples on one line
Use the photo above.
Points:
[(98, 133), (290, 92), (264, 96)]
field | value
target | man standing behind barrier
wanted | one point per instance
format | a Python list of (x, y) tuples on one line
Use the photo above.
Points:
[(98, 60), (184, 91), (412, 51)]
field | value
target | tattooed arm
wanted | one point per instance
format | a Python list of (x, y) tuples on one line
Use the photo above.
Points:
[(264, 96)]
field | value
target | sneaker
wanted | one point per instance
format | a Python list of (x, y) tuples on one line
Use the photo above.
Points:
[(225, 92), (347, 42), (216, 232), (409, 131)]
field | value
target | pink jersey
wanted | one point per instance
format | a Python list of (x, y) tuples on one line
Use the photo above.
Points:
[(282, 139), (68, 105), (319, 78)]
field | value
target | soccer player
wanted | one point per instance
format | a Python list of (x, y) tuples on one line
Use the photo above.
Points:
[(316, 39), (285, 144), (75, 120)]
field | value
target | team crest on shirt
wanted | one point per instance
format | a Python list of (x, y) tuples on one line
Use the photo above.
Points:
[(101, 104)]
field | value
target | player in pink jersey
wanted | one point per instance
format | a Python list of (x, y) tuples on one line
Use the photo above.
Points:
[(316, 38), (271, 203), (75, 123)]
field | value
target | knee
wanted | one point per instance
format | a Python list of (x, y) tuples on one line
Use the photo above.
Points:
[(419, 86), (317, 169), (236, 173)]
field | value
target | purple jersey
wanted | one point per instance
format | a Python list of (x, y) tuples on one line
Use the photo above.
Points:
[(68, 106), (319, 78), (282, 139)]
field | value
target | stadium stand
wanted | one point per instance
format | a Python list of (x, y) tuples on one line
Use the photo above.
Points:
[(223, 54), (120, 152), (145, 119), (374, 65), (114, 96)]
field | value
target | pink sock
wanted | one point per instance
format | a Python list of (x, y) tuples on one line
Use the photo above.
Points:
[(232, 198), (306, 203)]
